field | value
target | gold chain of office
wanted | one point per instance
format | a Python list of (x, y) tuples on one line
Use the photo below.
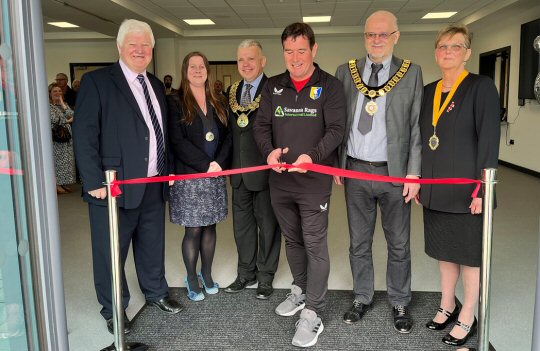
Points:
[(374, 92), (235, 106)]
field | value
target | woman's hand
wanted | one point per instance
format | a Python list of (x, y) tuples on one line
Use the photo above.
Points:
[(214, 167), (476, 206)]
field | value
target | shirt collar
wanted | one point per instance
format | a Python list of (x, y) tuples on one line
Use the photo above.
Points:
[(128, 73), (385, 63), (256, 81)]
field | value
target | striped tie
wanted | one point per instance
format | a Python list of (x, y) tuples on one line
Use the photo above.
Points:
[(246, 97), (157, 128)]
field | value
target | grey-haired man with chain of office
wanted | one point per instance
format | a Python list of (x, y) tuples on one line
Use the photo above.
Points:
[(382, 137)]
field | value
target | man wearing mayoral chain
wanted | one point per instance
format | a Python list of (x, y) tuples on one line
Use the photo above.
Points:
[(382, 137), (256, 232)]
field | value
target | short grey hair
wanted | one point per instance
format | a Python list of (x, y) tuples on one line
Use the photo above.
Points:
[(133, 26), (247, 43)]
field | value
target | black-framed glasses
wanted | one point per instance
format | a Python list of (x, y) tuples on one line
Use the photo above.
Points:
[(451, 47), (383, 36)]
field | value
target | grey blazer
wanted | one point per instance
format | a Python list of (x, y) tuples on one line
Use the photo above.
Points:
[(403, 105)]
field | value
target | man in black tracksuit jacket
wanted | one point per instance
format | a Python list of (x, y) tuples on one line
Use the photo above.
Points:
[(301, 119)]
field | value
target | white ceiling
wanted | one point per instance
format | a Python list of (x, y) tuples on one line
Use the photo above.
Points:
[(101, 18)]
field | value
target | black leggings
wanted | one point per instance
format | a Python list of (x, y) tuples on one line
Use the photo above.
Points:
[(203, 240)]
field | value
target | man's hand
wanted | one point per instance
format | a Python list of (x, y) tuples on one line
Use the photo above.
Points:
[(274, 158), (338, 180), (476, 206), (301, 159), (100, 193), (410, 190)]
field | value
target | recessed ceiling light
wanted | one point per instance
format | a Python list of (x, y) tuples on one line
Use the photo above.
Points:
[(199, 22), (314, 19), (63, 24), (432, 15)]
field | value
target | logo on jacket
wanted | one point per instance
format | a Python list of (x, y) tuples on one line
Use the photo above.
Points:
[(278, 91), (279, 112), (324, 207), (315, 93)]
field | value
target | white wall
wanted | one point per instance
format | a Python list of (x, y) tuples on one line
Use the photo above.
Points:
[(497, 32)]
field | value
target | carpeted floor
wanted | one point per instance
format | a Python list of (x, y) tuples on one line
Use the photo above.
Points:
[(241, 322)]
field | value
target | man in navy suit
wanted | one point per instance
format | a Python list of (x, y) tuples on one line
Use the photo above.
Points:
[(121, 112)]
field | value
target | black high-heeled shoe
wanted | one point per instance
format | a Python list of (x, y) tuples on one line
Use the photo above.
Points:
[(453, 341), (451, 317)]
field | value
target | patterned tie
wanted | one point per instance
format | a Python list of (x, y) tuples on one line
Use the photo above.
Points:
[(366, 121), (157, 129), (246, 97)]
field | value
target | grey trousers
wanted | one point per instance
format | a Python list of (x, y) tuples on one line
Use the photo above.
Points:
[(362, 198), (303, 219)]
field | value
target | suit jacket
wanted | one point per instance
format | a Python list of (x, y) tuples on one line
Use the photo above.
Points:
[(110, 133), (187, 141), (403, 105), (245, 152)]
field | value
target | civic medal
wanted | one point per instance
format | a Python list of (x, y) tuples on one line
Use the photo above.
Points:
[(209, 136), (371, 108), (242, 120), (434, 142)]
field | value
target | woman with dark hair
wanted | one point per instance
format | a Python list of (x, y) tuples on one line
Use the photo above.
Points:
[(64, 159), (460, 129), (200, 142)]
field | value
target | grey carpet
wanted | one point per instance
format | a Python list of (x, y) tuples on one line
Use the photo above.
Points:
[(241, 322)]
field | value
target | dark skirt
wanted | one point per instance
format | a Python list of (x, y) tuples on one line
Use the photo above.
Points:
[(453, 237)]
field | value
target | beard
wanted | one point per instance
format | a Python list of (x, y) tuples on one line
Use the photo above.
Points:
[(168, 85)]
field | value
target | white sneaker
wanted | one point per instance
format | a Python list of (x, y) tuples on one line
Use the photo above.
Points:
[(308, 328), (294, 302)]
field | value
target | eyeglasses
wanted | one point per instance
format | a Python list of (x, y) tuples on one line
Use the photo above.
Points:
[(383, 36), (452, 47)]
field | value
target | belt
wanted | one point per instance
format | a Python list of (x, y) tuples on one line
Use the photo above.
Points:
[(370, 163)]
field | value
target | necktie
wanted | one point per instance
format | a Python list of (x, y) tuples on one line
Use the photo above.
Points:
[(366, 121), (246, 97), (157, 129)]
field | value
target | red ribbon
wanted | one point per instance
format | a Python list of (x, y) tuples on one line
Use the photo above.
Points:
[(11, 171), (115, 189)]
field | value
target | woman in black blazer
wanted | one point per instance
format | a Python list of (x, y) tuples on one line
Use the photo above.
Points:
[(200, 142)]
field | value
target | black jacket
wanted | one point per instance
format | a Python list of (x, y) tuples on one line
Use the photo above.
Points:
[(187, 141)]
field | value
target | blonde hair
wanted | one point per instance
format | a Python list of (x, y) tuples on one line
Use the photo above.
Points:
[(452, 30)]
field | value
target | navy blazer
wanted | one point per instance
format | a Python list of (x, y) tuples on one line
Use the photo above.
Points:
[(187, 141), (110, 133)]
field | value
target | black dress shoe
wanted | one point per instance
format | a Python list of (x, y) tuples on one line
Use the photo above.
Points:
[(470, 329), (264, 290), (402, 319), (168, 305), (239, 284), (450, 317), (356, 312), (127, 325)]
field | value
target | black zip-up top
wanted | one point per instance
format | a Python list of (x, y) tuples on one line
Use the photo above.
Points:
[(311, 121)]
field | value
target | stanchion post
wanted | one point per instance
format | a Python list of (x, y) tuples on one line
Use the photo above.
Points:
[(116, 265), (536, 321), (489, 180)]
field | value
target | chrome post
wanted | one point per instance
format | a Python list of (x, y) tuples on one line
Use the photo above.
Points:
[(536, 321), (116, 265), (489, 181)]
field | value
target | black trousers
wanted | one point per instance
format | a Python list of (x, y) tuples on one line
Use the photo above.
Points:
[(303, 219), (145, 228), (257, 234)]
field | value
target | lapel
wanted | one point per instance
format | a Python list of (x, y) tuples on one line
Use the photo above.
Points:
[(121, 83), (395, 64), (354, 100), (239, 91)]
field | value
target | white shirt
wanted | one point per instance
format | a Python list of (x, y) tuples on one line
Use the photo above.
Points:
[(138, 93)]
